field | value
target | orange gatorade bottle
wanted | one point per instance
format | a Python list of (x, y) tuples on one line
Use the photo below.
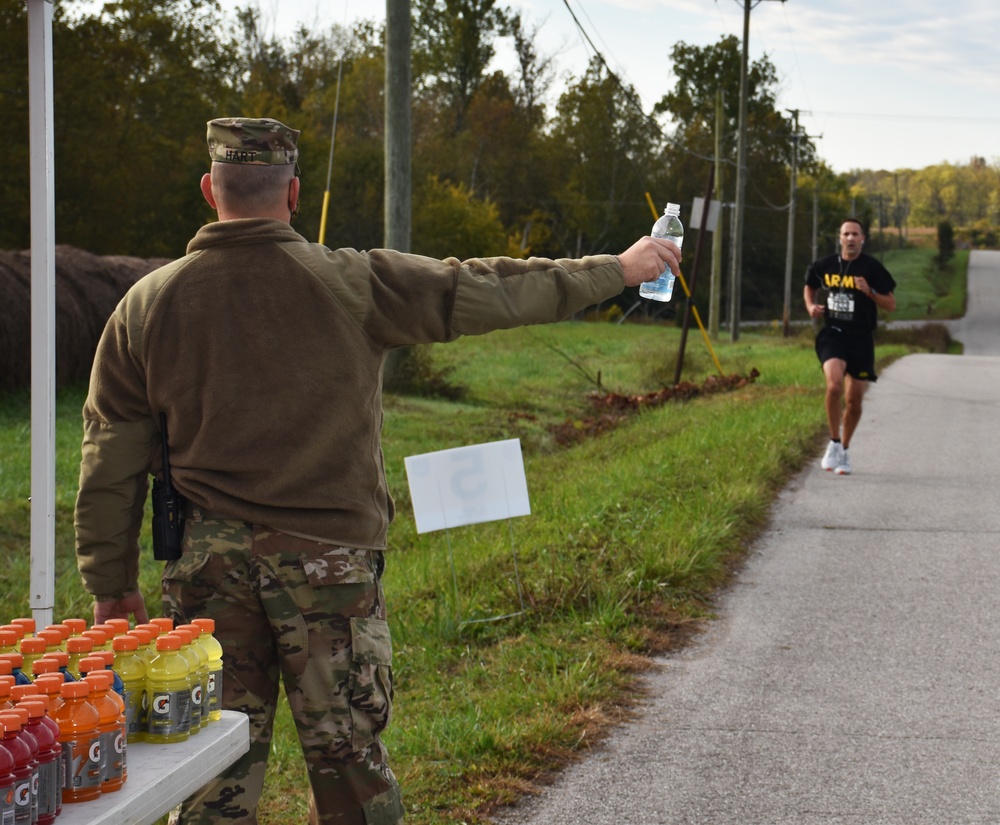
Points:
[(46, 733), (112, 727), (24, 768), (168, 690), (81, 743), (132, 670)]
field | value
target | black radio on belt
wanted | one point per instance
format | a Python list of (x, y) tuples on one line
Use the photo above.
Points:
[(168, 509)]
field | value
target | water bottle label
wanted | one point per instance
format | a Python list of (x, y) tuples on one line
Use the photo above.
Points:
[(170, 712), (83, 763)]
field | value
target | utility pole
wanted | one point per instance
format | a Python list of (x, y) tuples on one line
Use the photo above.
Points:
[(786, 316), (715, 293), (398, 189), (741, 182)]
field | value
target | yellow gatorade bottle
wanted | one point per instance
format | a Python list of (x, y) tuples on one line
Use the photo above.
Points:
[(203, 674), (132, 670), (214, 650), (168, 691), (194, 665), (32, 648), (77, 647)]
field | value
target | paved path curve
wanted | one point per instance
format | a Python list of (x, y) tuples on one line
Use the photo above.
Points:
[(853, 674)]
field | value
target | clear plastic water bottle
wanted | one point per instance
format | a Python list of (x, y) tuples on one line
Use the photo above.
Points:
[(668, 226)]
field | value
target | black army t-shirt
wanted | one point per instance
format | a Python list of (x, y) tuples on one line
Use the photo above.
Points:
[(846, 306)]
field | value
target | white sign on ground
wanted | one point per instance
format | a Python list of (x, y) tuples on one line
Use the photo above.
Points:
[(468, 485)]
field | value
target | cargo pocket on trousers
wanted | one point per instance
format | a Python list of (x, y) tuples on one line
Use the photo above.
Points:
[(371, 680), (189, 582)]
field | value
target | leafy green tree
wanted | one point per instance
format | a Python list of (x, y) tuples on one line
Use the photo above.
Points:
[(133, 85), (703, 72), (603, 148), (451, 222)]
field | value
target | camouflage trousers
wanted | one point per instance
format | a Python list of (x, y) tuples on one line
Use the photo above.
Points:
[(313, 616)]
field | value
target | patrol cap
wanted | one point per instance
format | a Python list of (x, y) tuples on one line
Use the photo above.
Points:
[(256, 140)]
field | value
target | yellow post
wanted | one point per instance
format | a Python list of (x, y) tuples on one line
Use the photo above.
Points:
[(687, 292)]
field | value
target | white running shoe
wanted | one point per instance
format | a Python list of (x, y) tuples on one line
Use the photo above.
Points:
[(834, 456), (844, 468)]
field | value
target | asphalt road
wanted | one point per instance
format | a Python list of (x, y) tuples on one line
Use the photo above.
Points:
[(853, 673)]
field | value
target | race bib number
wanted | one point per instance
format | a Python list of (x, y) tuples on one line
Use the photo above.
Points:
[(840, 304)]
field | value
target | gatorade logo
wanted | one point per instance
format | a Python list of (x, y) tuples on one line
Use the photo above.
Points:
[(196, 694), (22, 794), (94, 754), (211, 683), (161, 705), (9, 797), (119, 744)]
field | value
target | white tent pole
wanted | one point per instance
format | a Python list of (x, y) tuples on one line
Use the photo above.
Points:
[(43, 313)]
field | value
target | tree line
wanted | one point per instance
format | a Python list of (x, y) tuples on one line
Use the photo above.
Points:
[(501, 165)]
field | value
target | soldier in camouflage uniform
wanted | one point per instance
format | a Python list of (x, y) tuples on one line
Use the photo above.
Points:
[(264, 353)]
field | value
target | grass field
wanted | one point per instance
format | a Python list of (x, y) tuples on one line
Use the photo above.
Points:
[(631, 533)]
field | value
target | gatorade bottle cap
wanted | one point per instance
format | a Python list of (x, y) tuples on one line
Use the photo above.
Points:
[(15, 659), (165, 623), (76, 626), (104, 679), (88, 664), (61, 628), (41, 702), (34, 708), (143, 634), (120, 625), (99, 636), (8, 638), (168, 642), (52, 637), (153, 629), (13, 628), (126, 642), (107, 655), (75, 690), (19, 692), (60, 657), (182, 634), (43, 665), (10, 720), (79, 644), (207, 625), (193, 629), (26, 623), (33, 644)]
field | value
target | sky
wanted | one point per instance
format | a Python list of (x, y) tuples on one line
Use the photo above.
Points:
[(879, 84)]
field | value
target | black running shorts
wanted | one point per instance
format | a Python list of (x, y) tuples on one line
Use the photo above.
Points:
[(857, 350)]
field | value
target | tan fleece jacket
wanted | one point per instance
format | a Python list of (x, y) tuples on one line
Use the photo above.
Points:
[(266, 353)]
